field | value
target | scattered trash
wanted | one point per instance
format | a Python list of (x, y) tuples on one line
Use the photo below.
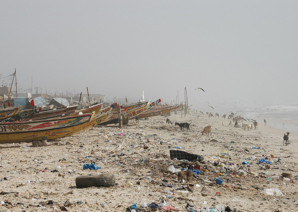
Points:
[(180, 155), (219, 181), (245, 163), (172, 169), (153, 205), (91, 166), (169, 208), (265, 161), (132, 208), (104, 180), (273, 192)]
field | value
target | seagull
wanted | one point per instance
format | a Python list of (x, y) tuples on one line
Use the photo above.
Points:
[(211, 107), (200, 89)]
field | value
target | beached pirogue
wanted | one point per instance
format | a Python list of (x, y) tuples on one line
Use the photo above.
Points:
[(31, 114), (37, 129), (127, 112), (50, 129), (158, 110)]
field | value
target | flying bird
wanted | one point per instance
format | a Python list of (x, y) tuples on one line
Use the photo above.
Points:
[(211, 107), (200, 89)]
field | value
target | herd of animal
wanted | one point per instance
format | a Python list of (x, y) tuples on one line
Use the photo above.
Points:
[(237, 121)]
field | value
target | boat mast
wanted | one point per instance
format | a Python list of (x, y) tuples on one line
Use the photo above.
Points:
[(186, 102), (88, 95), (16, 82), (14, 75)]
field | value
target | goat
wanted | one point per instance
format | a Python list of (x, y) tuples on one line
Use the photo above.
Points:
[(255, 124), (245, 126), (185, 175), (168, 121), (237, 125), (183, 125), (206, 130), (286, 139)]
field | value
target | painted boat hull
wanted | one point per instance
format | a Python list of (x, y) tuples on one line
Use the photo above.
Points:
[(50, 129), (93, 108), (128, 112), (157, 111), (8, 112)]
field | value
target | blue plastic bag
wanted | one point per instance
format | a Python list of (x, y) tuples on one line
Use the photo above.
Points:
[(91, 166)]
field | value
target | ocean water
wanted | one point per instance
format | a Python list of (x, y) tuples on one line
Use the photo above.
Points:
[(283, 117)]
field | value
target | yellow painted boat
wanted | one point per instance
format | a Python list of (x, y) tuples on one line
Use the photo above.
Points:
[(90, 109), (158, 111), (50, 129), (128, 112)]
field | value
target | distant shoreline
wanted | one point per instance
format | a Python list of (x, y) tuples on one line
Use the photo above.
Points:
[(287, 120)]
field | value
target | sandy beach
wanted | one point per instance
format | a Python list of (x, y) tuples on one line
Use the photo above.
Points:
[(43, 178)]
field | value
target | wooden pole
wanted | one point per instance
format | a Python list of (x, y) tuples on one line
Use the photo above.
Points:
[(186, 102), (120, 117), (80, 97), (12, 82), (88, 95), (16, 82)]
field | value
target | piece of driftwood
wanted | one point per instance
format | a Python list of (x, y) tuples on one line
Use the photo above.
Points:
[(104, 180)]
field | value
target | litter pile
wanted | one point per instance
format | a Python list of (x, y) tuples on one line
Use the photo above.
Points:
[(151, 165)]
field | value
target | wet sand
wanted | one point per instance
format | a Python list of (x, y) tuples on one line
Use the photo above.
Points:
[(43, 178)]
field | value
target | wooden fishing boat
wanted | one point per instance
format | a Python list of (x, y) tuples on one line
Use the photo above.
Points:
[(8, 112), (54, 113), (32, 114), (128, 112), (102, 116), (90, 109), (21, 115), (50, 129), (158, 111)]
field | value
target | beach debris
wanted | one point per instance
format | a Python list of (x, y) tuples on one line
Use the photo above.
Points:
[(104, 180), (39, 143), (204, 191), (169, 208), (219, 181), (91, 166), (286, 175), (265, 161), (181, 155), (67, 203), (154, 205), (131, 208), (172, 169), (273, 192)]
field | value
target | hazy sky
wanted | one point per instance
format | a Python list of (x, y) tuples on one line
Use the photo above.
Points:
[(238, 51)]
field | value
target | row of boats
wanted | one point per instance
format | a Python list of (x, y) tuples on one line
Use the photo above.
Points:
[(17, 125)]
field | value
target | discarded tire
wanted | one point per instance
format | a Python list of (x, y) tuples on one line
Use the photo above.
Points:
[(97, 181)]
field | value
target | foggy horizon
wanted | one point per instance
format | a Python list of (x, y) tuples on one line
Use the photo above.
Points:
[(240, 53)]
